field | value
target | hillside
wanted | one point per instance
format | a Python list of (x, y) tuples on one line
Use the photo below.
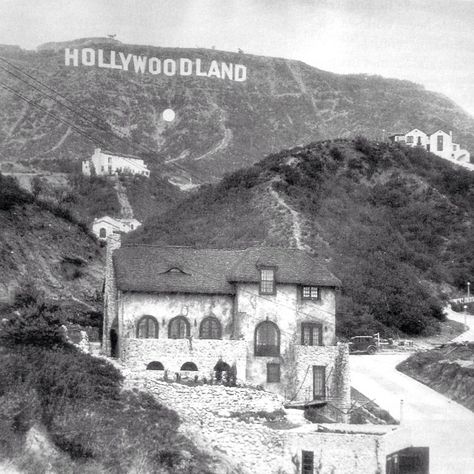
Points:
[(42, 244), (393, 223), (448, 369), (220, 126)]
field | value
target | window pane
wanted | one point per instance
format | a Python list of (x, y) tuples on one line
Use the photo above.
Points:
[(273, 373), (178, 328), (267, 340), (307, 462), (267, 277), (315, 335), (306, 291), (314, 292), (267, 274), (267, 286), (306, 335)]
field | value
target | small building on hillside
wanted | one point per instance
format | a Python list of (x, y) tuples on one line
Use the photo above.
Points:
[(268, 312), (102, 227), (106, 163), (440, 143)]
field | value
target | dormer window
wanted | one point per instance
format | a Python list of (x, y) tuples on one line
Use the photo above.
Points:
[(267, 281), (310, 293)]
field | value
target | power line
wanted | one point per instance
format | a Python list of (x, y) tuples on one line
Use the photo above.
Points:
[(38, 106), (105, 129)]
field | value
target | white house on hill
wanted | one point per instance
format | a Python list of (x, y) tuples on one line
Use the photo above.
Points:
[(102, 227), (440, 143), (106, 163)]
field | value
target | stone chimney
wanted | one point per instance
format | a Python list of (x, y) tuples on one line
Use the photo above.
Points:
[(451, 133), (110, 292)]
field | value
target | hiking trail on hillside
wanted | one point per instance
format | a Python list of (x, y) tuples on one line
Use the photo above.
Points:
[(126, 209), (296, 220)]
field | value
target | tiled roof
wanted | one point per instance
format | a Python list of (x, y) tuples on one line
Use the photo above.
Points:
[(292, 266), (212, 271)]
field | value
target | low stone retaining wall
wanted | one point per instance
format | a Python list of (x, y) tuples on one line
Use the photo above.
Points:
[(254, 446), (173, 353)]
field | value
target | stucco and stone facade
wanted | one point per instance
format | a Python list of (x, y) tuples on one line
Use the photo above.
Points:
[(267, 312)]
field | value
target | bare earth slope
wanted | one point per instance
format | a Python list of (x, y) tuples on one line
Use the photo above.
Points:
[(53, 253), (220, 125)]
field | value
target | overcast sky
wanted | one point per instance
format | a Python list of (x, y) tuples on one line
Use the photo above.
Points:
[(429, 42)]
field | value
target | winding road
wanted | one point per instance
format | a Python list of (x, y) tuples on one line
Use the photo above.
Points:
[(435, 420)]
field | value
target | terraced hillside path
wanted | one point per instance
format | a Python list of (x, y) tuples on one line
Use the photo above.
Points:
[(296, 220), (126, 209)]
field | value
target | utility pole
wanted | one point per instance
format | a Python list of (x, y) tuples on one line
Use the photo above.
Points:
[(465, 314), (468, 289)]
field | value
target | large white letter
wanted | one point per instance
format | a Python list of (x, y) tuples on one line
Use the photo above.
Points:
[(88, 57), (139, 62), (125, 60), (198, 69), (227, 70), (154, 65), (100, 59), (183, 70), (74, 56), (113, 64), (240, 73), (214, 70), (169, 67)]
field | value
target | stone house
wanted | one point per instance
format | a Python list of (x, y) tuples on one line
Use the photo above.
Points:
[(269, 312), (106, 163), (104, 226), (440, 143)]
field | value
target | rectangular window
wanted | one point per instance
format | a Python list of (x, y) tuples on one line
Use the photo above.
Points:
[(273, 373), (440, 143), (310, 293), (410, 139), (307, 462), (311, 334), (267, 281)]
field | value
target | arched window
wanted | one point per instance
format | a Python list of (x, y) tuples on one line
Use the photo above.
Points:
[(147, 327), (155, 365), (102, 233), (178, 328), (210, 328), (267, 339), (189, 366)]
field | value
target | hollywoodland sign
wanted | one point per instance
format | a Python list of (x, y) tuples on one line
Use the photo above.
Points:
[(152, 65)]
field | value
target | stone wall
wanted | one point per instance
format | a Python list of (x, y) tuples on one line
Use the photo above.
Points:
[(254, 446), (338, 387), (173, 353), (354, 453), (110, 293)]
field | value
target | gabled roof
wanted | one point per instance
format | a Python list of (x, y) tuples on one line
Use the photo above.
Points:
[(291, 266), (147, 268), (110, 220), (416, 130)]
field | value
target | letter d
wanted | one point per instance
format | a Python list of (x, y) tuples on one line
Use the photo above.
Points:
[(185, 67)]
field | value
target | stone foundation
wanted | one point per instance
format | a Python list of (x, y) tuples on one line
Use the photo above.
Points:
[(173, 353)]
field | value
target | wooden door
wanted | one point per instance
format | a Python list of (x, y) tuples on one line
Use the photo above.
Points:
[(319, 382)]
